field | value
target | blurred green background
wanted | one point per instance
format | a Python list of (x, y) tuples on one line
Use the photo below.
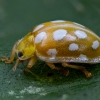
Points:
[(17, 18)]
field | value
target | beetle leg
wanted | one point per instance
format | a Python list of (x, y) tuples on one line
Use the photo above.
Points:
[(14, 68), (31, 62), (6, 60), (52, 66), (87, 74)]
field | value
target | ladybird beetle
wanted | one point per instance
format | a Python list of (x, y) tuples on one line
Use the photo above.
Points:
[(58, 41)]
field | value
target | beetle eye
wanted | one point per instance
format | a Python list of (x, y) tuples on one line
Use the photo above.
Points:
[(20, 54)]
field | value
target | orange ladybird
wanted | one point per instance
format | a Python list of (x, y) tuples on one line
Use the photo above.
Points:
[(58, 42)]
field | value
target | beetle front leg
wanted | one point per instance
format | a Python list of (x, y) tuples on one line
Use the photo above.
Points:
[(31, 62), (15, 66), (6, 60)]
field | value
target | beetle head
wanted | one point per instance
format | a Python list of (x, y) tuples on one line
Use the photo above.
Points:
[(25, 47)]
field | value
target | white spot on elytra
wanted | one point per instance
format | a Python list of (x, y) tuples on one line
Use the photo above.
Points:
[(95, 44), (59, 34), (83, 57), (58, 21), (79, 24), (38, 27), (52, 52), (40, 37), (80, 34), (73, 47)]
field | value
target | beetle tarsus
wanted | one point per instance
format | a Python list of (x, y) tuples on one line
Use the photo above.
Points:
[(6, 60), (88, 75)]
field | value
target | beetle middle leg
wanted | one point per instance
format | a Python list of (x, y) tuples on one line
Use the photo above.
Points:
[(87, 74), (52, 66)]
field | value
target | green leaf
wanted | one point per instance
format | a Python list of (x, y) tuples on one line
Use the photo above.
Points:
[(17, 18)]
